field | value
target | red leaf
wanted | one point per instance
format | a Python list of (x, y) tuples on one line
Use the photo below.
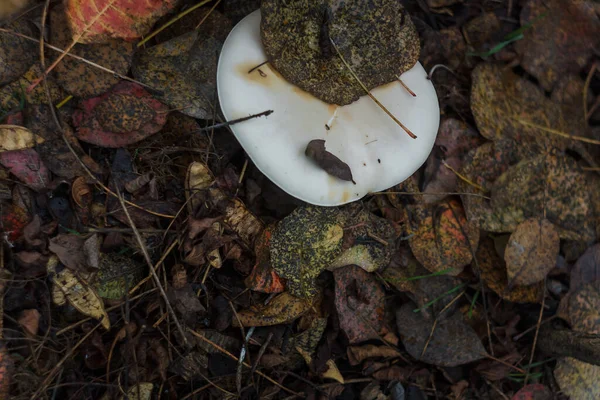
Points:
[(95, 21), (14, 219), (27, 166), (119, 118), (263, 277), (534, 391)]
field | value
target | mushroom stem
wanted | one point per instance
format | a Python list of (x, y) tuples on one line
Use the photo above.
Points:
[(412, 135)]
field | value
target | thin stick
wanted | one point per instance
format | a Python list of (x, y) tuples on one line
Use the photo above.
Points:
[(258, 66), (557, 132), (207, 15), (154, 275), (93, 64), (586, 87), (155, 268), (462, 177), (413, 94), (537, 331), (412, 135), (73, 43), (222, 350), (58, 365), (234, 121)]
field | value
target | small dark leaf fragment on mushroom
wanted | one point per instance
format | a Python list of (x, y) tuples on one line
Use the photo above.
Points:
[(315, 150)]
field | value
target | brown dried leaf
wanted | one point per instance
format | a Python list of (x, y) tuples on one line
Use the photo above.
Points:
[(69, 249), (531, 252), (237, 216), (198, 178), (315, 150), (493, 272), (360, 302), (16, 54), (282, 309), (263, 277), (139, 391), (584, 308), (438, 238), (452, 342), (586, 269), (556, 45), (577, 379), (30, 321), (13, 137), (357, 354)]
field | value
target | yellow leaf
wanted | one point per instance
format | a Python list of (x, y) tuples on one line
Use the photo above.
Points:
[(577, 379), (333, 372), (14, 137), (80, 295), (198, 178), (141, 391), (282, 309)]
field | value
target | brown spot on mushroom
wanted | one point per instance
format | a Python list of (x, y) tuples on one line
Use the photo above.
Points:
[(266, 78), (345, 196)]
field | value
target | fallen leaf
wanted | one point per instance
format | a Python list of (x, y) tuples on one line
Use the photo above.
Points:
[(263, 277), (14, 220), (577, 379), (68, 287), (315, 150), (14, 95), (450, 342), (125, 115), (81, 192), (79, 78), (531, 252), (357, 354), (533, 391), (556, 45), (117, 275), (332, 372), (28, 167), (441, 237), (497, 370), (549, 185), (30, 321), (297, 39), (198, 178), (360, 302), (282, 309), (493, 272), (139, 391), (17, 54), (236, 216), (13, 137), (392, 373), (304, 244), (184, 70), (584, 308), (5, 373), (186, 304), (69, 249), (96, 21), (586, 269), (372, 392)]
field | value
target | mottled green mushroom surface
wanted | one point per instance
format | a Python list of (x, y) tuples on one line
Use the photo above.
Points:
[(376, 37), (304, 244)]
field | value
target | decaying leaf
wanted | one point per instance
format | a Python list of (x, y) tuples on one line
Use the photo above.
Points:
[(584, 308), (315, 150), (95, 21), (586, 269), (198, 178), (28, 167), (125, 115), (563, 37), (533, 391), (359, 300), (68, 287), (79, 78), (184, 69), (449, 343), (13, 137), (16, 53), (297, 38), (30, 321), (304, 244), (577, 379), (493, 272), (263, 277), (531, 251), (139, 391), (282, 309), (72, 251), (117, 274), (442, 238), (357, 354), (550, 185), (14, 219)]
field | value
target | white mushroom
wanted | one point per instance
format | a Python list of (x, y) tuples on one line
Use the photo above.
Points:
[(379, 152)]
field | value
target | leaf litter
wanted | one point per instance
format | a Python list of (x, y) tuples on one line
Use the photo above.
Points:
[(208, 281)]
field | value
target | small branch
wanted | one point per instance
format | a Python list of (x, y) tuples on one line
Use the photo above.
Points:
[(234, 121)]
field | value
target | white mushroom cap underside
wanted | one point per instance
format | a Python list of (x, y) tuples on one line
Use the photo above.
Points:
[(379, 152)]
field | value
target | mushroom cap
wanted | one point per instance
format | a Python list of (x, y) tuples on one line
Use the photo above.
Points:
[(379, 152)]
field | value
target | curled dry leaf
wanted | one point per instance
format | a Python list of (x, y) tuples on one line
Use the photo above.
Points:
[(492, 270), (13, 137), (360, 302), (531, 252), (442, 239), (297, 39), (315, 150), (81, 192), (448, 343), (68, 287), (28, 167), (556, 45), (577, 379), (357, 354), (95, 21), (282, 309), (125, 115), (198, 178), (237, 216)]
